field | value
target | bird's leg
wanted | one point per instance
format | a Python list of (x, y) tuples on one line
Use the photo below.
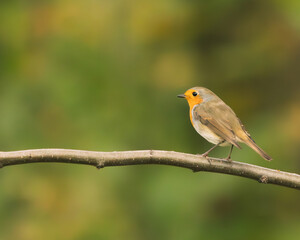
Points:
[(229, 155), (206, 153)]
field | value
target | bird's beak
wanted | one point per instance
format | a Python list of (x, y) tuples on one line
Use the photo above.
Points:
[(181, 96)]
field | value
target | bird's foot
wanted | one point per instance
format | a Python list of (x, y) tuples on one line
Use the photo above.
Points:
[(228, 159), (205, 155), (202, 155)]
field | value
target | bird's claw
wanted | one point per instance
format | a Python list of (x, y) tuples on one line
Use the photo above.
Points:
[(205, 156)]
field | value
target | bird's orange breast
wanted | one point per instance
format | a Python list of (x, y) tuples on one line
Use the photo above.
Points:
[(191, 117), (192, 103)]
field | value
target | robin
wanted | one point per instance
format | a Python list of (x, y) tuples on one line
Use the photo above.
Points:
[(216, 122)]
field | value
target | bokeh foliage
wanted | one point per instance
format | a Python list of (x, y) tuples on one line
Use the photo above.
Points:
[(104, 75)]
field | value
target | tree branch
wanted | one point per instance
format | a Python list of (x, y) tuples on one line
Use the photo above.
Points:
[(184, 160)]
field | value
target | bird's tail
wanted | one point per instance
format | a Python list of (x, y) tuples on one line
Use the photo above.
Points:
[(250, 142)]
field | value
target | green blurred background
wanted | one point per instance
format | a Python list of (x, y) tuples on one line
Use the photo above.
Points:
[(104, 74)]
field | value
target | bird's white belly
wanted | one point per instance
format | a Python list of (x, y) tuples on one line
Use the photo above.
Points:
[(205, 132)]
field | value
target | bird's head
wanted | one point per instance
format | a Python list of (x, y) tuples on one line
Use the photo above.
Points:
[(197, 95), (192, 96)]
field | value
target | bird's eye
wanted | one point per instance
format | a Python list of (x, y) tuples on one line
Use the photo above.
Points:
[(195, 94)]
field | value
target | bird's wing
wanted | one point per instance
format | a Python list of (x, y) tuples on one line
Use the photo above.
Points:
[(219, 119)]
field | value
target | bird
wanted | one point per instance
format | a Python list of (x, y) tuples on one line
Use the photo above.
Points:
[(215, 121)]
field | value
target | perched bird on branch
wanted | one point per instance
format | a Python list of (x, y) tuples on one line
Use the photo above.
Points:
[(216, 122)]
